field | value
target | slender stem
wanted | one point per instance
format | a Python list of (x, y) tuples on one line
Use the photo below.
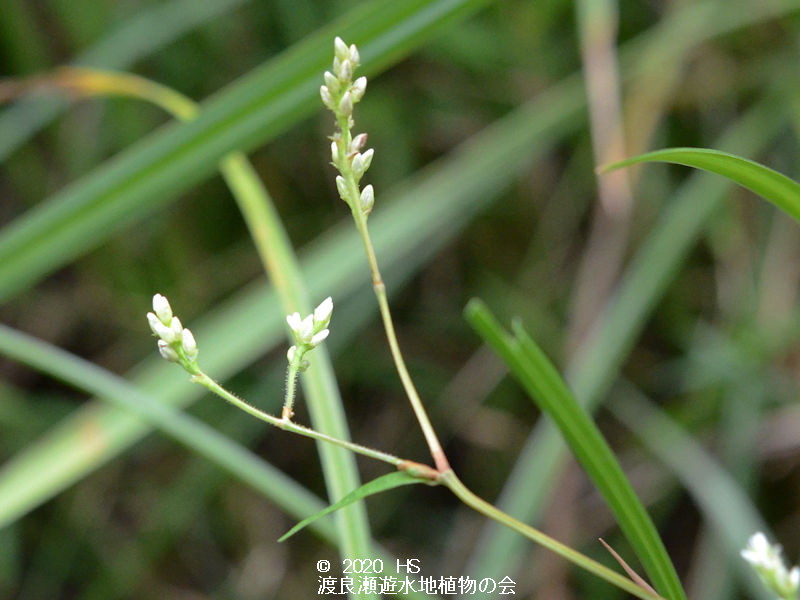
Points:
[(288, 402), (360, 218), (464, 494), (435, 446), (203, 379)]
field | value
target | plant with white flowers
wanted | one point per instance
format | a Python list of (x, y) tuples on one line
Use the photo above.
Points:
[(766, 560), (340, 93), (308, 332), (175, 343)]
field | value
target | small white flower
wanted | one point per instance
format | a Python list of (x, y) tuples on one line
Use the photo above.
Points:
[(189, 344), (162, 309), (176, 327), (167, 352), (340, 49), (306, 329), (358, 142), (354, 56), (341, 185), (334, 152), (160, 329), (345, 70), (758, 551), (327, 97), (346, 104), (319, 337), (322, 314), (358, 88), (767, 562), (311, 330), (331, 81), (367, 199), (294, 321)]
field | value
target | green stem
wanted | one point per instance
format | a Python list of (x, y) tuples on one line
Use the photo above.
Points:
[(449, 479), (203, 379), (354, 201), (435, 446), (288, 402)]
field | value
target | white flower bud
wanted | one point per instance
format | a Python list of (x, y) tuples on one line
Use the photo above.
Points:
[(322, 314), (327, 97), (290, 353), (367, 158), (167, 352), (346, 104), (345, 70), (334, 152), (189, 344), (306, 330), (341, 185), (358, 88), (354, 56), (162, 309), (357, 164), (319, 337), (340, 49), (358, 142), (294, 321), (331, 82), (176, 327), (367, 199), (162, 331)]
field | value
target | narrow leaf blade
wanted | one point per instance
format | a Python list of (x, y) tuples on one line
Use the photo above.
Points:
[(550, 392), (381, 484), (767, 183)]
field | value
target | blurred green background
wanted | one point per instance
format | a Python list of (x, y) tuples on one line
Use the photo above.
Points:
[(709, 353)]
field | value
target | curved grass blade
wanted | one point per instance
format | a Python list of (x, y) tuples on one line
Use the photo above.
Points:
[(381, 484), (592, 372), (775, 187), (249, 112), (547, 388), (139, 36)]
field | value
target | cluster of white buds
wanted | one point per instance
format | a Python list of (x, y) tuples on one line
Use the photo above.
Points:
[(175, 343), (767, 561), (308, 332), (340, 93)]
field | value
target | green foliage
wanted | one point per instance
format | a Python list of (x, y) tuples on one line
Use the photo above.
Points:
[(546, 387), (767, 183), (381, 484), (484, 187)]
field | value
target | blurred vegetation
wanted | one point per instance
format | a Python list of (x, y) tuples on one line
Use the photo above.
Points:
[(711, 359)]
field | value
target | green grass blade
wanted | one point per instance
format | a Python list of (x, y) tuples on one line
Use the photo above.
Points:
[(593, 370), (720, 498), (192, 433), (142, 35), (251, 111), (767, 183), (381, 484), (546, 387)]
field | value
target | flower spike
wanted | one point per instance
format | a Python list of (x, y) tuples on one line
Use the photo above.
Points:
[(175, 343)]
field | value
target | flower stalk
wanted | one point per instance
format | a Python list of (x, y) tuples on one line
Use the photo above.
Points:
[(177, 344), (339, 94)]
